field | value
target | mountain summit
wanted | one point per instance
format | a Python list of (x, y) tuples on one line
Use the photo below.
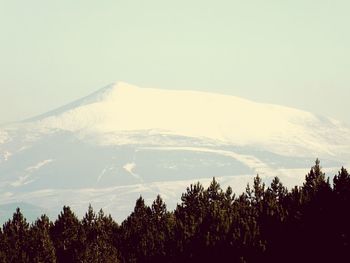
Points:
[(121, 107), (123, 141)]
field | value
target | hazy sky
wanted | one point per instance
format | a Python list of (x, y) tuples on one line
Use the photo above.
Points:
[(290, 52)]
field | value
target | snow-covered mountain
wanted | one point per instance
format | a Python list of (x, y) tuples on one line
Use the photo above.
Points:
[(122, 141)]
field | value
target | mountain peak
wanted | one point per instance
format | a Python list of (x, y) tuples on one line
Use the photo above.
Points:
[(105, 93), (124, 108), (113, 88)]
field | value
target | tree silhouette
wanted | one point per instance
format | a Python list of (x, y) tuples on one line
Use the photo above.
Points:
[(41, 248), (16, 238), (266, 223), (65, 234)]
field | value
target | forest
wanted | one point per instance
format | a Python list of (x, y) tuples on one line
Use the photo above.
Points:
[(266, 223)]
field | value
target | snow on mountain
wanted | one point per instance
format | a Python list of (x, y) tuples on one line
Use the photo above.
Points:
[(3, 137), (123, 141), (225, 119)]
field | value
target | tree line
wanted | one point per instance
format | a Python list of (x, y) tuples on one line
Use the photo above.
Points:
[(266, 223)]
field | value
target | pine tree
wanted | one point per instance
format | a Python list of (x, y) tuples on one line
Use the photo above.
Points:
[(188, 218), (2, 248), (65, 234), (97, 238), (315, 181), (136, 242), (341, 185), (161, 231), (258, 193), (41, 248), (15, 239), (271, 220), (216, 222), (245, 236), (316, 212), (341, 216), (107, 228)]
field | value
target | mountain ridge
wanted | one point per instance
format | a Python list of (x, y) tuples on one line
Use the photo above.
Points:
[(122, 141)]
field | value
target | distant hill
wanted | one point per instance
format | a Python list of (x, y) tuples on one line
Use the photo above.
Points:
[(124, 141)]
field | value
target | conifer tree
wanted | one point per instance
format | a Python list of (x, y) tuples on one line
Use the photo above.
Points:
[(97, 238), (161, 227), (107, 228), (245, 236), (136, 242), (41, 248), (341, 185), (271, 220), (216, 222), (315, 181), (65, 234), (341, 215), (15, 239), (189, 216), (316, 213), (2, 248)]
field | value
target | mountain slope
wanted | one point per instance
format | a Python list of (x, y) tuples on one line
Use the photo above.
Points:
[(123, 141)]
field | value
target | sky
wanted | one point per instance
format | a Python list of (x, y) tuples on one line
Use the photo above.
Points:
[(293, 52)]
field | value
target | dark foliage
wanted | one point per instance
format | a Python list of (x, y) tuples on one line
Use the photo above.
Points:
[(310, 223)]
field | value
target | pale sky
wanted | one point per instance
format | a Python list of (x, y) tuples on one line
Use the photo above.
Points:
[(291, 52)]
